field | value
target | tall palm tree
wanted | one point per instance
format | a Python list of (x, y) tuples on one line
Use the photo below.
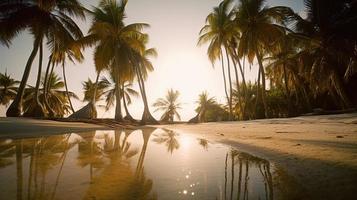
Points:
[(8, 88), (142, 68), (254, 20), (169, 105), (42, 18), (220, 31), (115, 41)]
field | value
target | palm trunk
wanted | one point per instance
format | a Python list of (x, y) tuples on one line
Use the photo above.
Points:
[(261, 67), (37, 110), (225, 82), (39, 74), (146, 117), (118, 95), (230, 85), (241, 69), (65, 85), (48, 108), (15, 108)]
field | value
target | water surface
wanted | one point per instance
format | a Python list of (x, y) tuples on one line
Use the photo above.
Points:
[(134, 164)]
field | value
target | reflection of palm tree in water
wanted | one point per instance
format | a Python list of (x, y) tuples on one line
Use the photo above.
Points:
[(89, 153), (169, 139), (241, 159), (118, 180), (43, 155)]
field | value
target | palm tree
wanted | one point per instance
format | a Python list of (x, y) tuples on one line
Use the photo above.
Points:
[(42, 18), (255, 20), (126, 90), (56, 96), (114, 42), (89, 86), (143, 67), (8, 88), (61, 51), (204, 102), (220, 31), (169, 105), (282, 68), (329, 56)]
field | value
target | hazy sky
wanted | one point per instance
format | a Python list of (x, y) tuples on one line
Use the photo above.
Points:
[(181, 65)]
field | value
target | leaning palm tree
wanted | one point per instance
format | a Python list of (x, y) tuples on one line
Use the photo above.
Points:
[(169, 105), (8, 88), (115, 41), (219, 32), (254, 21), (41, 18)]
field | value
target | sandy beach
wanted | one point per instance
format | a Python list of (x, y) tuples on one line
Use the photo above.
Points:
[(320, 152)]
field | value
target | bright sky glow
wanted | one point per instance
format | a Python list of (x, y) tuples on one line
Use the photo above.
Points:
[(181, 65)]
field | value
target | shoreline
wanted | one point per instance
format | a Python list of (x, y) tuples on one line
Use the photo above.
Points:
[(319, 152)]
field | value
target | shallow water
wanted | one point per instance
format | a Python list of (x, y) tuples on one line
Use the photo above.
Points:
[(135, 164)]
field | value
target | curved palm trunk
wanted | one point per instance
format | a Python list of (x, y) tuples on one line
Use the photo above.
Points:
[(230, 85), (37, 110), (45, 92), (225, 82), (15, 108), (65, 85), (261, 67), (128, 116), (146, 117)]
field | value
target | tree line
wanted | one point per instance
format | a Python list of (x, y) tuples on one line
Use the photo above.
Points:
[(303, 63)]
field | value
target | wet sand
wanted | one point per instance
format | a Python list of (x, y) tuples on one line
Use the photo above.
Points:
[(24, 127), (320, 152)]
